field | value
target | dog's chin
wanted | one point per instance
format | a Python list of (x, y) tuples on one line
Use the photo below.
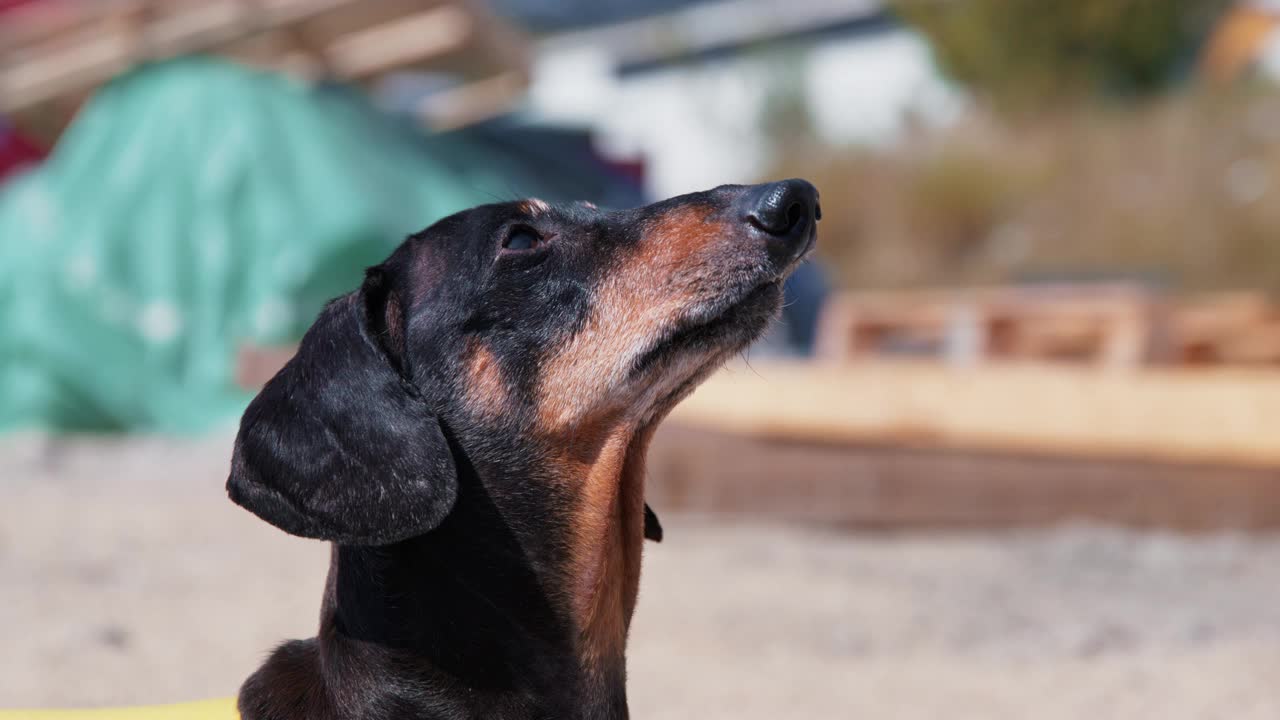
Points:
[(684, 356)]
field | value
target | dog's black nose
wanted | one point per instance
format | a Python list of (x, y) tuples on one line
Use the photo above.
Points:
[(786, 210)]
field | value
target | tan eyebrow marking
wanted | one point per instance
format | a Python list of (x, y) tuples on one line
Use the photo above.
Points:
[(534, 206), (486, 388)]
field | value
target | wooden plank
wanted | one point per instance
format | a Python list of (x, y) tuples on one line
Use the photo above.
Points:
[(1219, 416), (691, 469), (399, 42)]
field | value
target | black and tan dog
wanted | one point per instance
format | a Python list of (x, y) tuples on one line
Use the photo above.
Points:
[(469, 428)]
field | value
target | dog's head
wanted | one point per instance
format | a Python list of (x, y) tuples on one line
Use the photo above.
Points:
[(520, 335)]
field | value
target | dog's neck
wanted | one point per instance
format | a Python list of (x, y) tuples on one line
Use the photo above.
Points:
[(486, 609), (607, 542)]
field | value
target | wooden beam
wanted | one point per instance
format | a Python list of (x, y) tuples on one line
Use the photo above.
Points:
[(407, 40), (891, 487), (1216, 416)]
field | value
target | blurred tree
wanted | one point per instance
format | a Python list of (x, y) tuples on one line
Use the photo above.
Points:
[(1022, 53)]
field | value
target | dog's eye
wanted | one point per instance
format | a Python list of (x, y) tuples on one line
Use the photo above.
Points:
[(522, 238)]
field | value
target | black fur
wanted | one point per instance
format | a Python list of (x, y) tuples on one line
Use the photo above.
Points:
[(448, 590), (338, 446)]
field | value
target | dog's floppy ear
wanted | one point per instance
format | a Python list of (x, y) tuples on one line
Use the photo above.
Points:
[(339, 445)]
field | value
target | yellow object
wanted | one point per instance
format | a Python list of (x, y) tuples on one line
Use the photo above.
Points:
[(220, 709)]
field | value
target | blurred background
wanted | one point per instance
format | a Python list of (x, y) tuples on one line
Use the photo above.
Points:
[(1011, 451)]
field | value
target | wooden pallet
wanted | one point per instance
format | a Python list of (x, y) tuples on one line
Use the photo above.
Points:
[(1112, 326), (1239, 328), (1109, 326)]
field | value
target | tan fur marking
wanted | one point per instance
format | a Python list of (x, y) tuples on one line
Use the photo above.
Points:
[(534, 207), (600, 419), (632, 304), (487, 389), (608, 542)]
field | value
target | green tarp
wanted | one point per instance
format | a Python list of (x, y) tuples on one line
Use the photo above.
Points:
[(194, 206)]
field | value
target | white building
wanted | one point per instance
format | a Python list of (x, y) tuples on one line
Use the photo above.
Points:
[(690, 90)]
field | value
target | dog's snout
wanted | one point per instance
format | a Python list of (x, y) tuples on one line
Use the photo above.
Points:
[(786, 210)]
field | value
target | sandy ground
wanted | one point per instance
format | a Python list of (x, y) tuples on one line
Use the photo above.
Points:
[(126, 577)]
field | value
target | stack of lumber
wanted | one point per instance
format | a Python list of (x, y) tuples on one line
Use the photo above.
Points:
[(53, 53)]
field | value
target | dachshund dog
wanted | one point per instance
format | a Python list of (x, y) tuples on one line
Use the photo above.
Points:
[(468, 430)]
